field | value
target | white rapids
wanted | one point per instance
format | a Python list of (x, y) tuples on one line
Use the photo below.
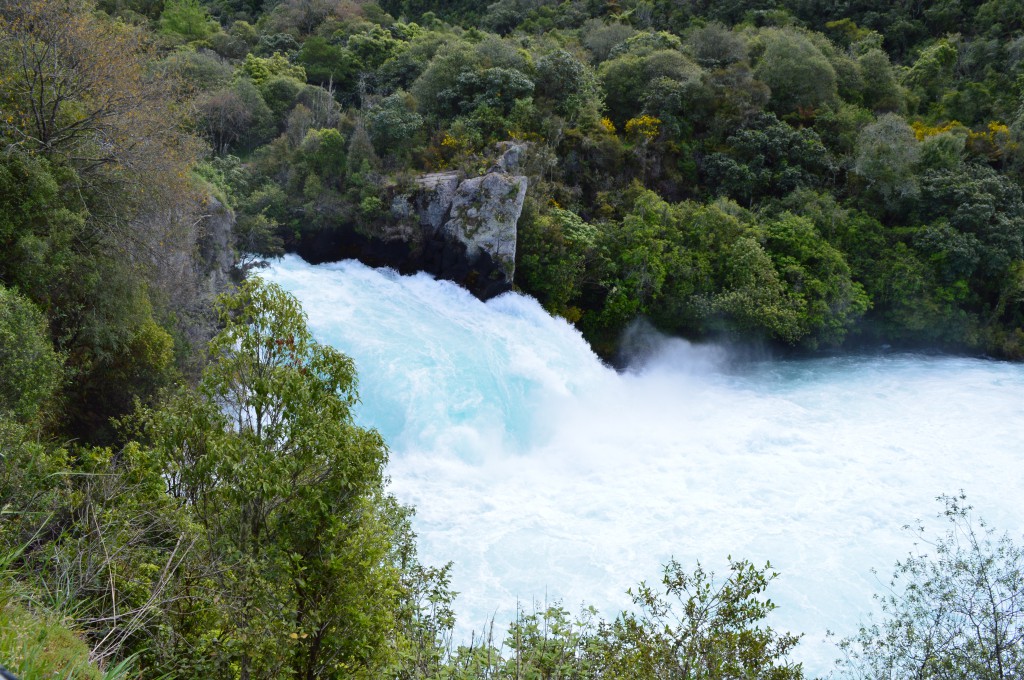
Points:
[(544, 475)]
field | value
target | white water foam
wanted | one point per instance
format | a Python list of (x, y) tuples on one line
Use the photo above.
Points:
[(545, 475)]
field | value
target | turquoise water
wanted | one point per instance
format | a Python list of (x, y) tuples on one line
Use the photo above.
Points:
[(545, 475)]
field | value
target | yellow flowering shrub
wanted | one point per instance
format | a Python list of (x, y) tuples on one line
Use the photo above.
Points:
[(644, 126), (922, 130)]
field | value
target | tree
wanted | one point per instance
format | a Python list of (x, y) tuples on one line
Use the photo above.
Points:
[(372, 46), (186, 18), (799, 75), (280, 93), (728, 99), (715, 46), (750, 297), (503, 17), (978, 201), (261, 69), (570, 86), (955, 613), (30, 371), (817, 277), (556, 249), (289, 494), (323, 153), (644, 252), (1000, 18), (887, 152), (80, 91), (224, 117), (325, 63), (600, 38), (881, 91), (411, 58), (98, 210), (393, 125), (768, 158), (435, 87), (702, 629), (932, 73), (627, 77), (199, 69), (236, 116)]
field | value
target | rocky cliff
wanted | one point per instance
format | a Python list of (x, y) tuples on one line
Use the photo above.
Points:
[(456, 228), (216, 242), (468, 225)]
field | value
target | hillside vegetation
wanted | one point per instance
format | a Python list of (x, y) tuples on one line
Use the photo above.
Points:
[(807, 174), (183, 491)]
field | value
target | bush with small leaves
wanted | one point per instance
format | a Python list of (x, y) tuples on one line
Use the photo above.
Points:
[(954, 611), (31, 370)]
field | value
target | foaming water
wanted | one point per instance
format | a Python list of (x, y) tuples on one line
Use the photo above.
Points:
[(545, 475)]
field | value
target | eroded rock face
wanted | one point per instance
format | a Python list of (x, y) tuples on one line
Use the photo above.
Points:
[(469, 225), (217, 257), (511, 156), (455, 228), (434, 199), (483, 217)]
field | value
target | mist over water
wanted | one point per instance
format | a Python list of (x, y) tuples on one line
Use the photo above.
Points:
[(545, 475)]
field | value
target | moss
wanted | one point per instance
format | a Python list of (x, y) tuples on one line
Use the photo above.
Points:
[(36, 645)]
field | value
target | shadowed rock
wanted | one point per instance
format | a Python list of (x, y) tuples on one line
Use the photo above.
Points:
[(455, 228)]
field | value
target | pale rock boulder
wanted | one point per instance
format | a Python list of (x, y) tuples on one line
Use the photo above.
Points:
[(483, 217), (456, 228)]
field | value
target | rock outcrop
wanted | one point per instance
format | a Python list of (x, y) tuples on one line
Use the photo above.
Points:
[(433, 198), (483, 217), (456, 228), (217, 258), (469, 225)]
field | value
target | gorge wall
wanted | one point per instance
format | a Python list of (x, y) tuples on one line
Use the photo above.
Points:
[(454, 227)]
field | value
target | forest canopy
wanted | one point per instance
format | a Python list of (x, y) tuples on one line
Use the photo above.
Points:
[(182, 483), (869, 159)]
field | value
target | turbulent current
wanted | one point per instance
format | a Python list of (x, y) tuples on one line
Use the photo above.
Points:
[(546, 476)]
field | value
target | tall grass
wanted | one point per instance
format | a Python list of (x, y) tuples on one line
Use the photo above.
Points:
[(36, 643)]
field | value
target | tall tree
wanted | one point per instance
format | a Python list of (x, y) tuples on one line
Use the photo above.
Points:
[(187, 19), (289, 492), (95, 166)]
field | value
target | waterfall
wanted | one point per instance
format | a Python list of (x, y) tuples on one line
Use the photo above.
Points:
[(544, 474)]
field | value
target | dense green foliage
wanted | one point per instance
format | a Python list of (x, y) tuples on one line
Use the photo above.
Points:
[(181, 482), (96, 215), (242, 528), (692, 625), (892, 121), (32, 370)]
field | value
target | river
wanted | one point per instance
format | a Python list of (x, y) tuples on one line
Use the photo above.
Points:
[(545, 475)]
